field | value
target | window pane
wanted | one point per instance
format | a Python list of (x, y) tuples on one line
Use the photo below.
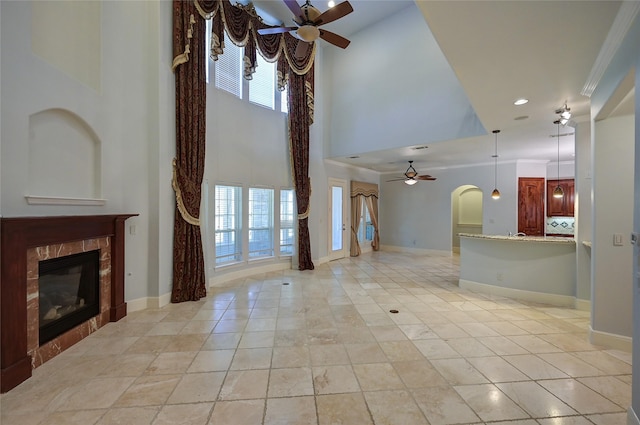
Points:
[(336, 218), (260, 222), (262, 87), (228, 69), (228, 232), (286, 221), (284, 101)]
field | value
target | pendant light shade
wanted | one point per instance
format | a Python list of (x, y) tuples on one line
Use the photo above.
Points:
[(558, 192), (496, 193)]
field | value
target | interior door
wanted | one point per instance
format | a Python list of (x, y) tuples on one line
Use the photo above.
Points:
[(531, 206), (338, 217)]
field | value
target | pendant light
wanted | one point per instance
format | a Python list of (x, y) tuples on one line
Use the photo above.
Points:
[(496, 193), (558, 192)]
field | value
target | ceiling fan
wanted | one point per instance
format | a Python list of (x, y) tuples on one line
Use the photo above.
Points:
[(411, 176), (308, 20)]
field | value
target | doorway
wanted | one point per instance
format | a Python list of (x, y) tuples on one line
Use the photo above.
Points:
[(338, 219), (466, 213)]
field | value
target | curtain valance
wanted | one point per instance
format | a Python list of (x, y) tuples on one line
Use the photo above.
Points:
[(364, 189), (242, 24)]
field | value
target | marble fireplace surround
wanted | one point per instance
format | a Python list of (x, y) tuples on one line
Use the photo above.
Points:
[(24, 242)]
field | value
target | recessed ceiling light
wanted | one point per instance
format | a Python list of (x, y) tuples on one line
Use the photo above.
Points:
[(417, 148), (354, 157), (521, 102)]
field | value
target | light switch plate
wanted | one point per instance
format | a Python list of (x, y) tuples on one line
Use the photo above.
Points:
[(617, 239)]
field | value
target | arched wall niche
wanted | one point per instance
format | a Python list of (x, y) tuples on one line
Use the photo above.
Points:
[(64, 159)]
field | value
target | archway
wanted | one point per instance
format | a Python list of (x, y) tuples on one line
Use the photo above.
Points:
[(466, 213)]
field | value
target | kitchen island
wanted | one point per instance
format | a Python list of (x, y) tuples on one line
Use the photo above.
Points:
[(533, 268)]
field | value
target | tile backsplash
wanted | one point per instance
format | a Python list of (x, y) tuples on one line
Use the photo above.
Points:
[(560, 225)]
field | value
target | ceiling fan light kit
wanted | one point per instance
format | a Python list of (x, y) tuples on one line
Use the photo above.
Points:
[(308, 33)]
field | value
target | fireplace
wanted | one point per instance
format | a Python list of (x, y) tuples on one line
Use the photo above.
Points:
[(25, 243), (68, 293)]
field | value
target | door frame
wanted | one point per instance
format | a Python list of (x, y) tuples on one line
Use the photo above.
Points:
[(340, 253)]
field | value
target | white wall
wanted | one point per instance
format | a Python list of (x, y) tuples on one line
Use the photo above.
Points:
[(583, 214), (420, 216), (613, 154), (388, 90), (123, 112), (567, 170)]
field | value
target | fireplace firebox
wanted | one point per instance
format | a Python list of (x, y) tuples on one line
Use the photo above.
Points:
[(69, 292)]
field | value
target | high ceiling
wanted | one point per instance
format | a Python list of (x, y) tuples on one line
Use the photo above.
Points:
[(500, 51)]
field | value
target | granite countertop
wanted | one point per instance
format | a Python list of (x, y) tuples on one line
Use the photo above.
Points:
[(545, 239)]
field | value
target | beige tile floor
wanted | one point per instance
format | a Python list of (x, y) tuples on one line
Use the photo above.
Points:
[(325, 349)]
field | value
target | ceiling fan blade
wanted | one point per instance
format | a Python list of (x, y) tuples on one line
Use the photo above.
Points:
[(301, 49), (275, 30), (336, 12), (425, 177), (295, 8), (333, 38)]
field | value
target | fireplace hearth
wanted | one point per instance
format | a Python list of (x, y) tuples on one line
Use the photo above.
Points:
[(27, 241)]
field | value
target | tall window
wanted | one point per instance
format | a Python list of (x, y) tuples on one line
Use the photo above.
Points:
[(228, 69), (262, 87), (260, 222), (286, 221), (229, 76), (228, 230)]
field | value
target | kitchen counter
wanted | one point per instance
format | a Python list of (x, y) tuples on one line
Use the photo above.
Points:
[(533, 268), (539, 239)]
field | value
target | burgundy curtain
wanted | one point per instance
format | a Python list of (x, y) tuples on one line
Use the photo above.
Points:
[(299, 121), (188, 45)]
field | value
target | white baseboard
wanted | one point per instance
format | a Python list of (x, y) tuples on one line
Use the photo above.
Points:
[(393, 248), (538, 297), (632, 418), (606, 339), (583, 305), (148, 302)]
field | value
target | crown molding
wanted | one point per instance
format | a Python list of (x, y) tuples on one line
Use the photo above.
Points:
[(621, 24)]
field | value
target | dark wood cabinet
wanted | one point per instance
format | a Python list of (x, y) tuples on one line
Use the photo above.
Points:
[(531, 206), (561, 207)]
